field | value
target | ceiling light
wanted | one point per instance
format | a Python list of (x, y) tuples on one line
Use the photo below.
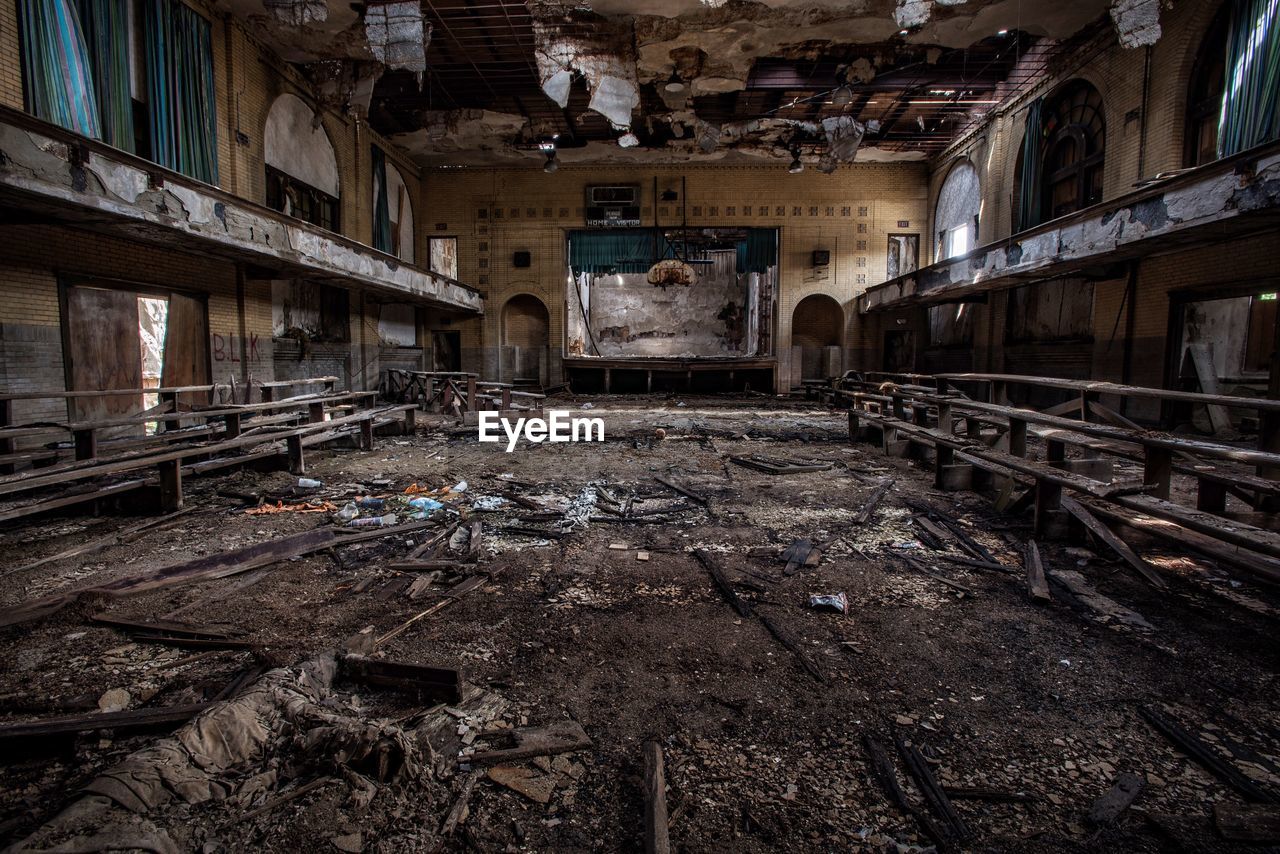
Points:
[(796, 166), (903, 32), (1002, 32), (552, 164), (547, 147)]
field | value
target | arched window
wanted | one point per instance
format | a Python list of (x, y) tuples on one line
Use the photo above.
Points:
[(955, 218), (1204, 98), (1074, 144), (302, 170)]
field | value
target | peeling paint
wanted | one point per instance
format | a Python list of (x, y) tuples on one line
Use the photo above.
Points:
[(1137, 22), (118, 197)]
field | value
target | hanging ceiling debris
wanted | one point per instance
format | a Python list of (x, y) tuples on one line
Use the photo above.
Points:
[(463, 82)]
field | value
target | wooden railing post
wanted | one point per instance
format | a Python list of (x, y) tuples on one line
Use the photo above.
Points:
[(1017, 437), (1157, 468)]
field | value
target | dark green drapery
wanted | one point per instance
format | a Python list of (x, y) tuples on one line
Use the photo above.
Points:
[(1251, 90), (56, 66), (381, 204), (105, 24), (759, 251), (623, 250), (184, 134), (1029, 201)]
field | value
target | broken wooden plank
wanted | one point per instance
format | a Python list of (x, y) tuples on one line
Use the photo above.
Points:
[(921, 568), (1119, 546), (1037, 584), (797, 555), (722, 583), (126, 721), (868, 509), (770, 466), (461, 806), (1194, 747), (166, 627), (682, 490), (887, 776), (930, 788), (453, 594), (123, 535), (657, 838), (437, 684), (793, 646), (1123, 792), (1207, 376), (1096, 602), (206, 568), (968, 561), (559, 737), (1251, 823)]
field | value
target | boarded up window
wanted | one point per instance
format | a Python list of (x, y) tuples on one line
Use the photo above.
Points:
[(443, 256), (1051, 311), (904, 255)]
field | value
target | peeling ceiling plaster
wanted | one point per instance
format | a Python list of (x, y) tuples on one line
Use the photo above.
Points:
[(684, 49)]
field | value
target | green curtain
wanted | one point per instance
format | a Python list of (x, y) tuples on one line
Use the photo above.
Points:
[(56, 66), (184, 135), (1030, 205), (106, 31), (622, 250), (759, 251), (1251, 91), (381, 204)]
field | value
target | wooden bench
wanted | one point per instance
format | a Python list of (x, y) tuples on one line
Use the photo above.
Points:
[(171, 464), (85, 434)]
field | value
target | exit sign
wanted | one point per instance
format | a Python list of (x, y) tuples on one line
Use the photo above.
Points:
[(904, 223)]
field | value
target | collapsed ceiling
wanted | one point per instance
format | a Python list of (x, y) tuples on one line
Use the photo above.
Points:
[(490, 81)]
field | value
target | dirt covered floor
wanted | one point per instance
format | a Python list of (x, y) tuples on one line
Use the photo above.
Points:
[(1025, 712)]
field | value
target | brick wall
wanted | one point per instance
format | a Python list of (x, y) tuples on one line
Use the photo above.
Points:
[(496, 212)]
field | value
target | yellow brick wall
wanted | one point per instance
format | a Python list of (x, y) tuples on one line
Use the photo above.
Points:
[(495, 212)]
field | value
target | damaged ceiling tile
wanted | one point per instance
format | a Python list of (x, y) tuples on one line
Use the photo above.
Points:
[(398, 35), (298, 13)]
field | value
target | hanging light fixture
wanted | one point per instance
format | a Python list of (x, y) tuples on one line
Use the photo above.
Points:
[(796, 166), (548, 147), (842, 96)]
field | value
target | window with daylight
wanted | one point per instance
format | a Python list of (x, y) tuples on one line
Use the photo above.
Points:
[(1204, 100)]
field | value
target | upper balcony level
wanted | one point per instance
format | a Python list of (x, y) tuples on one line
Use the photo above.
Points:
[(48, 174), (1223, 200)]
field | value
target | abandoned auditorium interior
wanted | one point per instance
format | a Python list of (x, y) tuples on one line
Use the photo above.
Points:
[(681, 425)]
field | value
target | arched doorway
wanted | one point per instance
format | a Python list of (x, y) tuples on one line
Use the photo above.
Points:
[(526, 340), (817, 327)]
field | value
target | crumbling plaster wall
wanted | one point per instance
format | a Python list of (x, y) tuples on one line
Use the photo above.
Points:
[(498, 211), (630, 317)]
